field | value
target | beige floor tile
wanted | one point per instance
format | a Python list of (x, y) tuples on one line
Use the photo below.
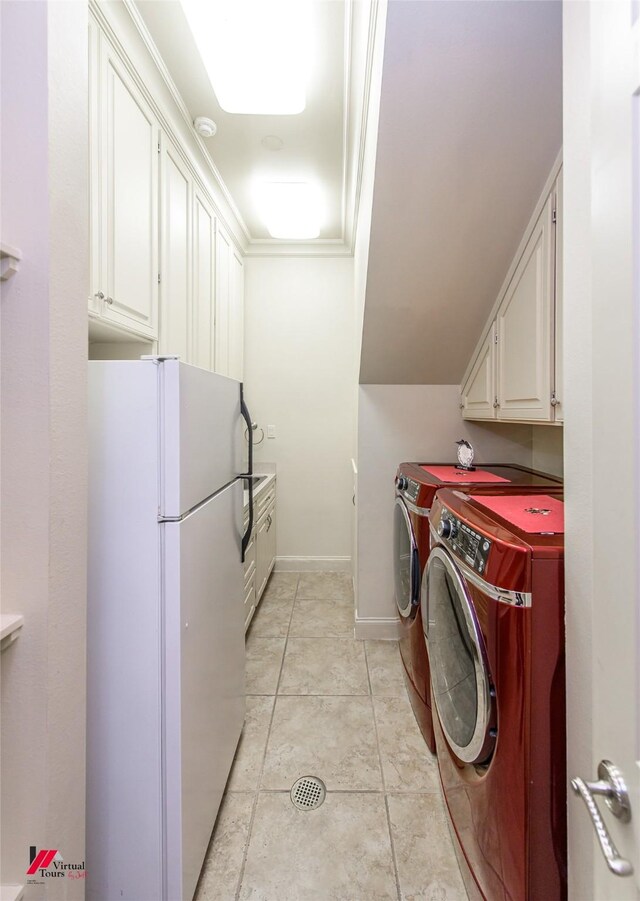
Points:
[(264, 658), (281, 585), (223, 863), (427, 865), (271, 619), (332, 586), (385, 669), (247, 766), (332, 738), (339, 851), (324, 666), (322, 619), (407, 764)]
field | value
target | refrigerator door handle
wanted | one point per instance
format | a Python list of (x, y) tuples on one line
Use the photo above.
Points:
[(246, 538)]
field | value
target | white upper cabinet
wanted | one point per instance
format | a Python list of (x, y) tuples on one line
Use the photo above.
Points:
[(223, 290), (524, 327), (478, 392), (236, 316), (175, 281), (519, 377), (164, 269), (128, 200), (203, 282), (558, 395)]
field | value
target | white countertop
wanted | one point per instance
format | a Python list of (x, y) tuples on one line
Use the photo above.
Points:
[(263, 486)]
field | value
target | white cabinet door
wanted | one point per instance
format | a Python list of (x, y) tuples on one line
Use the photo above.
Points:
[(262, 556), (271, 539), (558, 386), (95, 231), (175, 285), (236, 316), (524, 323), (202, 345), (129, 199), (478, 393), (223, 289)]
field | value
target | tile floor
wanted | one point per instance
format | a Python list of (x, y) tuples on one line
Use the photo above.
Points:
[(321, 703)]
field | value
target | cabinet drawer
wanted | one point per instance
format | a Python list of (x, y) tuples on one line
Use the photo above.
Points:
[(264, 501)]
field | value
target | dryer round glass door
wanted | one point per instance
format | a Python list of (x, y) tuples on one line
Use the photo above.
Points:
[(459, 674), (405, 562)]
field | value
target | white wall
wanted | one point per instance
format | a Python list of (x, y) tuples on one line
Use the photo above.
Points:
[(399, 423), (548, 448), (43, 426), (299, 370)]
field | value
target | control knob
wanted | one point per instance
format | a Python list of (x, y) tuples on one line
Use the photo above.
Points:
[(402, 483), (447, 528)]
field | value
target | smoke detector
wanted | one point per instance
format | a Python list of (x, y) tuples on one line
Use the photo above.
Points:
[(205, 127)]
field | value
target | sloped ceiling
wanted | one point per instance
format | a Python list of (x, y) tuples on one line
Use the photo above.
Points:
[(470, 125)]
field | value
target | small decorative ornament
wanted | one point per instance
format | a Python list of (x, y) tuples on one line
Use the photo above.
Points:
[(465, 456)]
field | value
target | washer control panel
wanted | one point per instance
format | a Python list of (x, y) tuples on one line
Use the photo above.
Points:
[(408, 488), (469, 545)]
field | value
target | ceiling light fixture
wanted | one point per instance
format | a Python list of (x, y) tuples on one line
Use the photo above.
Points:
[(290, 209), (205, 127), (257, 54)]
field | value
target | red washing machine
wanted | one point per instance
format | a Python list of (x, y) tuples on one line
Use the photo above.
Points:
[(493, 609), (416, 486)]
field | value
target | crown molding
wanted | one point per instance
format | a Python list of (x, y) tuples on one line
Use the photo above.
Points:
[(160, 65), (266, 247)]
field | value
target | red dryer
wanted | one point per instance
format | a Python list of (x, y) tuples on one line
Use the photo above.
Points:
[(416, 486), (493, 615)]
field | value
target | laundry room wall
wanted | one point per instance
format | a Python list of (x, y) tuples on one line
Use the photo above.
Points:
[(43, 373), (548, 449), (409, 422), (299, 375)]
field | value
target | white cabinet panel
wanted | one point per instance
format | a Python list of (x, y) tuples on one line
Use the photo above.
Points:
[(129, 199), (95, 231), (236, 316), (558, 318), (203, 283), (478, 393), (525, 333), (175, 286), (223, 288)]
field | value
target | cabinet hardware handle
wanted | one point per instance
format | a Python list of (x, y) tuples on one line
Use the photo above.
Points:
[(269, 521), (99, 295), (554, 400), (108, 300), (495, 404), (612, 787)]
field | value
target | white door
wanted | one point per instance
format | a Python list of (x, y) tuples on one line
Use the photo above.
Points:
[(204, 677), (202, 346), (601, 340), (479, 390), (223, 288), (236, 315), (175, 285), (129, 200), (524, 324)]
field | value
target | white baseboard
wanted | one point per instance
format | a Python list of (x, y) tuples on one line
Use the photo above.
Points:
[(377, 627), (313, 564)]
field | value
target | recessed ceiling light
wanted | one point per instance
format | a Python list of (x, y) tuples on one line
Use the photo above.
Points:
[(257, 53), (290, 209), (204, 126), (272, 142)]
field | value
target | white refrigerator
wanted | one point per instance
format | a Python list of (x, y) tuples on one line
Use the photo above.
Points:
[(165, 630)]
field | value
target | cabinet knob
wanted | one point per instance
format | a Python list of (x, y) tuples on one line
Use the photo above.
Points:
[(99, 295), (108, 300)]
